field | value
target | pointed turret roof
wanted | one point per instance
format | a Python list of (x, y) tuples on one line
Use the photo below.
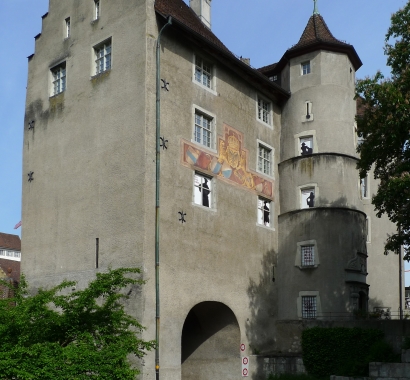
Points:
[(317, 31), (316, 36)]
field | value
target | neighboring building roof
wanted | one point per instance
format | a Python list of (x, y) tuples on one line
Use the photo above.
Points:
[(10, 241), (267, 69), (180, 11)]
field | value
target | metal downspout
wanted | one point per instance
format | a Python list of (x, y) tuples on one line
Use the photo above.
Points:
[(157, 184)]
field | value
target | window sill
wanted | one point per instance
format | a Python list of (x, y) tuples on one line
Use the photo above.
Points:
[(270, 176), (204, 146), (307, 267), (211, 90), (211, 209), (265, 124), (100, 76), (56, 96), (265, 227)]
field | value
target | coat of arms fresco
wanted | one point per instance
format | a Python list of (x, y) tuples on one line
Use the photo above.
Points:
[(230, 163)]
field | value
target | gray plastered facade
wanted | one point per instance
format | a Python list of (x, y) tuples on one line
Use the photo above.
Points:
[(92, 154)]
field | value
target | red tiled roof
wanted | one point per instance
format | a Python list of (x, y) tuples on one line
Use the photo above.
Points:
[(316, 31), (181, 12), (10, 241)]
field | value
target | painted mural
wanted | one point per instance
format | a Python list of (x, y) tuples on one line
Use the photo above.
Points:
[(230, 163)]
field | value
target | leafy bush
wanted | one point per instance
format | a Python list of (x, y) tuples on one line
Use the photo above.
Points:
[(344, 351), (62, 335)]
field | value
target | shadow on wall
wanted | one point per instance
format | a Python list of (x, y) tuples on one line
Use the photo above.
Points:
[(262, 304)]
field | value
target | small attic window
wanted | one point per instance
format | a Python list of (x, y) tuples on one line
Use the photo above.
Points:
[(273, 78), (305, 68)]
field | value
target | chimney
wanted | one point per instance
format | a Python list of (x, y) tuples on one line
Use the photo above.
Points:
[(203, 9)]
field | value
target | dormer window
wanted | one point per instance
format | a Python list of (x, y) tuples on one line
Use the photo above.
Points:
[(305, 68)]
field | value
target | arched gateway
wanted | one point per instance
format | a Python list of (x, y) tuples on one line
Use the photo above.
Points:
[(210, 343)]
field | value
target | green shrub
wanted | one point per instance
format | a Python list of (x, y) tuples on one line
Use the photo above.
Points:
[(343, 351)]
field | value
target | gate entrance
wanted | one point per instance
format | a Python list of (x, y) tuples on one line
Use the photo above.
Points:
[(210, 343)]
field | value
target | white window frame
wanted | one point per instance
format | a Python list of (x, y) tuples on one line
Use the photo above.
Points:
[(302, 135), (196, 110), (267, 147), (102, 52), (211, 183), (58, 78), (298, 256), (259, 213), (67, 29), (269, 112), (305, 67), (212, 70), (97, 9), (308, 186), (368, 231), (365, 186), (308, 293)]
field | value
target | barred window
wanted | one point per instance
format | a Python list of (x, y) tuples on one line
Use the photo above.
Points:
[(103, 57), (264, 110), (305, 68), (59, 78), (203, 130), (308, 255), (264, 160), (203, 72), (309, 307)]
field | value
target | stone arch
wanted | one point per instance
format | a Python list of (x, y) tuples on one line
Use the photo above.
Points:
[(210, 343)]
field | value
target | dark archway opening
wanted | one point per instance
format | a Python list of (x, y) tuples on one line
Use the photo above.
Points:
[(362, 301), (210, 343)]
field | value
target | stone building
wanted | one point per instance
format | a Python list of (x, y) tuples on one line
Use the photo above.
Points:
[(262, 213)]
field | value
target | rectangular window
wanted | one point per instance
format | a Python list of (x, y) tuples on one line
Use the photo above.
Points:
[(305, 68), (308, 197), (203, 130), (67, 27), (309, 307), (308, 255), (264, 110), (264, 160), (96, 9), (203, 72), (203, 190), (306, 145), (59, 79), (102, 57), (364, 187), (264, 212)]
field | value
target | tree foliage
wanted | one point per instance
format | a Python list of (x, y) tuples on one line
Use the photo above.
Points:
[(385, 129), (64, 334)]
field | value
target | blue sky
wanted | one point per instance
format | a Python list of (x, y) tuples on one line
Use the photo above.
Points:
[(258, 29)]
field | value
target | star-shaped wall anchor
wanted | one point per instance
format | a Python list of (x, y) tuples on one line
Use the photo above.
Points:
[(30, 176), (182, 218), (31, 124), (163, 143), (165, 84)]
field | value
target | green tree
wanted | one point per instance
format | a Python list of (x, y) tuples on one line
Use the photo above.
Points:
[(64, 334), (385, 129)]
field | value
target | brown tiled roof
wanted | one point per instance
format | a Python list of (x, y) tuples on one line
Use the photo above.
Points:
[(316, 31), (11, 269), (267, 69), (10, 241), (182, 13)]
